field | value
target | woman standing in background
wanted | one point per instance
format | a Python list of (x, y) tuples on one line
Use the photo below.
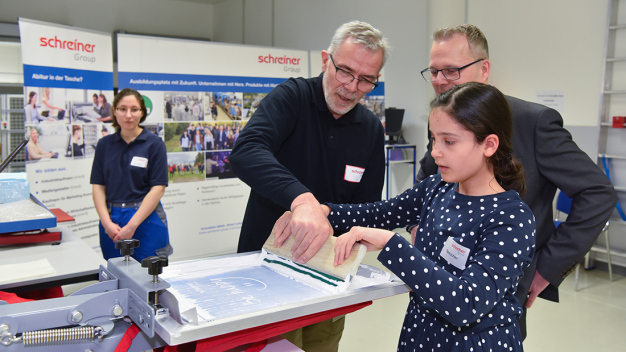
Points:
[(129, 176)]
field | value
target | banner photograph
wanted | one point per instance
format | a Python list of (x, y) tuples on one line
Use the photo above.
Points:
[(203, 94), (68, 87)]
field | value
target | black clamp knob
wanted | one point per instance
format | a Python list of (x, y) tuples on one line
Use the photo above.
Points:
[(155, 266), (126, 247)]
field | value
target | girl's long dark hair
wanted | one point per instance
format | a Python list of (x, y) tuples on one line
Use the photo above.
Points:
[(483, 110)]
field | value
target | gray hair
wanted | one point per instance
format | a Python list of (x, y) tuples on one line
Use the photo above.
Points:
[(362, 33), (475, 38)]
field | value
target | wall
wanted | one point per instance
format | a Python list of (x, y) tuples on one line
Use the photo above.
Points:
[(561, 51), (157, 17), (547, 45)]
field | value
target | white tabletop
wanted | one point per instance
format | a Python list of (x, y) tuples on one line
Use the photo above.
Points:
[(72, 259)]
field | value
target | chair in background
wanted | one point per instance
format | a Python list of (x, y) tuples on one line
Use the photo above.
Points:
[(563, 207)]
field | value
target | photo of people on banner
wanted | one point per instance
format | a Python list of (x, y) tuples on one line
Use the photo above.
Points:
[(63, 105), (202, 106), (64, 123)]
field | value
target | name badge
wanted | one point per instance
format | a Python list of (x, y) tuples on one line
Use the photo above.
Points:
[(139, 162), (454, 253), (353, 174)]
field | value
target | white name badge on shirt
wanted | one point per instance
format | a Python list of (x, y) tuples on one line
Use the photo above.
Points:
[(454, 253), (353, 173), (139, 162)]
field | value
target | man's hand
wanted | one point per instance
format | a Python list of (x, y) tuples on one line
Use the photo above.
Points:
[(281, 229), (538, 285), (309, 226)]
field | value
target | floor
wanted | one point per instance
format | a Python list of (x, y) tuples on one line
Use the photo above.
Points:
[(590, 319)]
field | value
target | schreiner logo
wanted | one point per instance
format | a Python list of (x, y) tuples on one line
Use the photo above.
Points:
[(281, 60), (458, 249), (74, 45)]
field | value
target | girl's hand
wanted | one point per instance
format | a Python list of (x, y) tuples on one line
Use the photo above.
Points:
[(125, 233), (372, 239), (112, 229)]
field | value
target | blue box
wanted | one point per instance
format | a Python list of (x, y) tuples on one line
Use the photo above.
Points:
[(29, 225)]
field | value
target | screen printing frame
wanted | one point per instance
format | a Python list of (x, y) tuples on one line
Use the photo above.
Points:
[(174, 333)]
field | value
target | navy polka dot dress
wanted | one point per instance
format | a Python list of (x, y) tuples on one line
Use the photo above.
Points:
[(469, 255)]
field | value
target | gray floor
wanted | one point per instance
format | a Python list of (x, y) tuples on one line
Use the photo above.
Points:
[(590, 319)]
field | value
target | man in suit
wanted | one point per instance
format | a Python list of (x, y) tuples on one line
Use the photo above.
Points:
[(550, 158), (221, 138)]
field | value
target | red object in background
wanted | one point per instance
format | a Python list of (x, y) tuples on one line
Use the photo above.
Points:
[(61, 215), (618, 121), (46, 293), (24, 237)]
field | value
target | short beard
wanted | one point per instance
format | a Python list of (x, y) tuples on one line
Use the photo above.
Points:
[(329, 99)]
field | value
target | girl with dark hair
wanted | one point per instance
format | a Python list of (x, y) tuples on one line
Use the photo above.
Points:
[(475, 234), (129, 176)]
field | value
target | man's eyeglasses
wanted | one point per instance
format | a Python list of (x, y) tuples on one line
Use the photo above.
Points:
[(345, 77), (133, 111), (450, 73)]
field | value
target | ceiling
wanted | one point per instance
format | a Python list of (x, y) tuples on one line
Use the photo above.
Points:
[(203, 1)]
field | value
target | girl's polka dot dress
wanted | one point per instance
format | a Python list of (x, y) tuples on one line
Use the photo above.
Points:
[(469, 256)]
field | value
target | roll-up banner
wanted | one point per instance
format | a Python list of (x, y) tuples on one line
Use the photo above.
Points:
[(202, 94), (68, 84)]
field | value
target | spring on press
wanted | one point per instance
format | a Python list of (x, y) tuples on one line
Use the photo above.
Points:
[(60, 335)]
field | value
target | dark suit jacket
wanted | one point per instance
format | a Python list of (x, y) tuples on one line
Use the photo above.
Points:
[(552, 160)]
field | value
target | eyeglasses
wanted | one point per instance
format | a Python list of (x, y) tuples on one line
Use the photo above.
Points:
[(345, 77), (133, 111), (450, 73)]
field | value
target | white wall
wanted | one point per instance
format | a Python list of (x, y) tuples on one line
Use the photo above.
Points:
[(11, 63), (157, 17), (553, 45)]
